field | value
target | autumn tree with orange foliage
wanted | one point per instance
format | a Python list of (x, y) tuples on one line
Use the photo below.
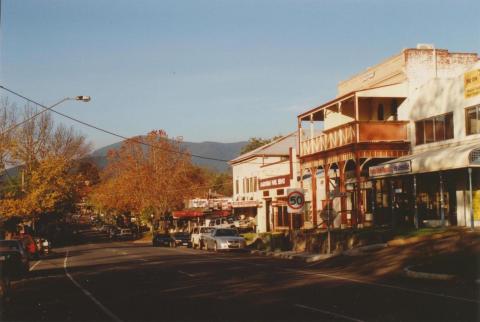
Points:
[(46, 156), (150, 174)]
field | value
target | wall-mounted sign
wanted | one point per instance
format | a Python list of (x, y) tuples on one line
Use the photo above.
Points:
[(245, 204), (274, 182), (471, 82), (390, 169)]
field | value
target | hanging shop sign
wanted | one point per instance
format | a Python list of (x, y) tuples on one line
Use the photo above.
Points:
[(274, 182), (471, 82), (390, 169)]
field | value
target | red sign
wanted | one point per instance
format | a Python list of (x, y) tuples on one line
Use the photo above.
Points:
[(295, 200), (274, 182)]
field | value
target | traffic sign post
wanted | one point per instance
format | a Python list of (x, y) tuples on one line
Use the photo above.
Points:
[(295, 200)]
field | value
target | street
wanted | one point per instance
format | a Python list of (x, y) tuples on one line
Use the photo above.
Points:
[(124, 281)]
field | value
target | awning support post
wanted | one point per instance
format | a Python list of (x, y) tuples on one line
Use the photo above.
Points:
[(415, 202), (374, 200), (472, 218), (442, 202), (392, 202)]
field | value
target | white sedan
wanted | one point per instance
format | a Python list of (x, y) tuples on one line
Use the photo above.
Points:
[(224, 239)]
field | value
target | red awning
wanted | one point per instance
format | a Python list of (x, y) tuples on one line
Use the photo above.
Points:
[(187, 214), (221, 213)]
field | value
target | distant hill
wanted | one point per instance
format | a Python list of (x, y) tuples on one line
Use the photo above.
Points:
[(224, 151)]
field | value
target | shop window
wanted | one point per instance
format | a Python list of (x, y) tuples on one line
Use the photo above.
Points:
[(280, 192), (473, 120), (266, 193), (283, 217), (237, 190), (434, 129)]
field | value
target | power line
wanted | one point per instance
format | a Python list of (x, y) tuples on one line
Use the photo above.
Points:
[(107, 131), (114, 133)]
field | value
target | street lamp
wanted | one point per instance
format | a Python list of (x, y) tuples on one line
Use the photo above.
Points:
[(81, 98)]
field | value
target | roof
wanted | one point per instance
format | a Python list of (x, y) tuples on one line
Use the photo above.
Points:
[(279, 147)]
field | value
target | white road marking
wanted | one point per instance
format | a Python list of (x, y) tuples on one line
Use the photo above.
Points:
[(328, 313), (88, 294), (35, 265), (188, 274)]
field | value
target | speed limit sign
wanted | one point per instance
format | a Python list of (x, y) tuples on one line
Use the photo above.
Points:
[(295, 200)]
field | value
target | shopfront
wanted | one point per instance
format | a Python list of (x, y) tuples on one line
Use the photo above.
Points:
[(431, 188)]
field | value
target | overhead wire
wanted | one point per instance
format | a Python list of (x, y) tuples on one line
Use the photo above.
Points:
[(116, 134)]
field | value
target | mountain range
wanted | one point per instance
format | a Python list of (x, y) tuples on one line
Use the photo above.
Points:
[(216, 150)]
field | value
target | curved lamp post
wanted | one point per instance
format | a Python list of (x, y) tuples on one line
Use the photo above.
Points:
[(81, 98)]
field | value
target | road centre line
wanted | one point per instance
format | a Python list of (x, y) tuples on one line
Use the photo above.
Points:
[(328, 313), (88, 294), (35, 265)]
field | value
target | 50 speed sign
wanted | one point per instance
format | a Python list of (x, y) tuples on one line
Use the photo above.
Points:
[(295, 200)]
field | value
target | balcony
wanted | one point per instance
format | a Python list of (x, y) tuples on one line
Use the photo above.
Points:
[(354, 132)]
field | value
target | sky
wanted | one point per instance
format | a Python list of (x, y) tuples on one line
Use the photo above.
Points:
[(219, 71)]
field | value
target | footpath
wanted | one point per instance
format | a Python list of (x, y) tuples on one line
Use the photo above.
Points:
[(449, 254)]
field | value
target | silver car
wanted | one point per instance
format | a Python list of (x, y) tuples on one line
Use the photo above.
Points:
[(198, 235), (224, 239)]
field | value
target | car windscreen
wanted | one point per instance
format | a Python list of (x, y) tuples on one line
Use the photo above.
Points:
[(226, 232), (206, 230)]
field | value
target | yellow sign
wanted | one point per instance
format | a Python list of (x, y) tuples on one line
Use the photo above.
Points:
[(471, 82), (476, 205)]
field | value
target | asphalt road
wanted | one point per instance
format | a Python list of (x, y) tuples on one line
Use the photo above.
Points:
[(125, 281)]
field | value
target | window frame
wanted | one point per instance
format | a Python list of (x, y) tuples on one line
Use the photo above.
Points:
[(476, 109), (434, 120)]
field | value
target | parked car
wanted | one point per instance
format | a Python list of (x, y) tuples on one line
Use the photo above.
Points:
[(29, 245), (162, 240), (4, 287), (181, 239), (106, 228), (17, 262), (220, 223), (124, 233), (224, 239), (198, 234), (43, 245)]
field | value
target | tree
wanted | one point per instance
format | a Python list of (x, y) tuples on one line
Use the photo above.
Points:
[(46, 156), (149, 174), (255, 143)]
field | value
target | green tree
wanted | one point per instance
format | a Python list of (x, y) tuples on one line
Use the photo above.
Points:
[(254, 143)]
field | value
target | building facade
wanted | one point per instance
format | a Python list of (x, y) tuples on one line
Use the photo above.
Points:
[(369, 123), (439, 181), (260, 182)]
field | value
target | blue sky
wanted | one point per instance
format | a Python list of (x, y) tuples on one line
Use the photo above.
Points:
[(210, 70)]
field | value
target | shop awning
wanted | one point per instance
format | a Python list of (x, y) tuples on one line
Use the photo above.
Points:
[(187, 214), (440, 159)]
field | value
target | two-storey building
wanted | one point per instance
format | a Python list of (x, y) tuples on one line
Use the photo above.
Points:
[(438, 183), (260, 181), (362, 127)]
